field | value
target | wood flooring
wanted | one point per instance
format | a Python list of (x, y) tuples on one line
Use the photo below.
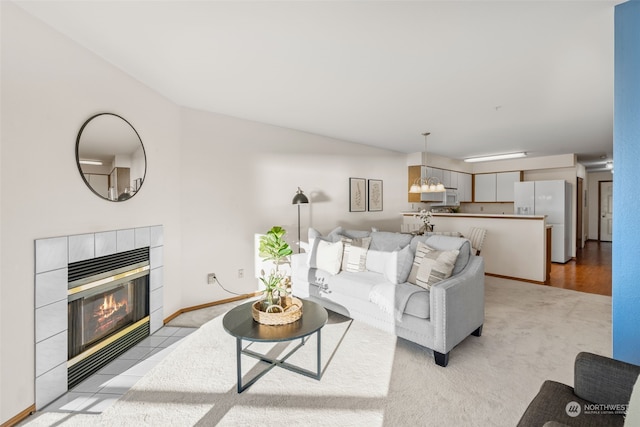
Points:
[(590, 272)]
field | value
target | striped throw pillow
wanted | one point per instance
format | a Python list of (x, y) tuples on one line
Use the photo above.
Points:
[(431, 266), (354, 257)]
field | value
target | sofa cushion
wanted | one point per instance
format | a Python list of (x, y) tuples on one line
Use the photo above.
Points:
[(356, 234), (354, 255), (339, 232), (398, 265), (356, 285), (419, 305), (388, 241), (550, 404), (435, 266), (326, 255)]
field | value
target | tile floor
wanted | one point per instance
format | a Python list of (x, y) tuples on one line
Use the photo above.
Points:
[(106, 386)]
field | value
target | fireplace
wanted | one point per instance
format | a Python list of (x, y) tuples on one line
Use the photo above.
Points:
[(108, 310), (67, 262)]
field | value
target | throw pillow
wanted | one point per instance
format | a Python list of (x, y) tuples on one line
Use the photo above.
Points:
[(312, 234), (398, 265), (388, 241), (327, 256), (354, 256), (435, 266), (335, 234), (421, 250), (377, 260)]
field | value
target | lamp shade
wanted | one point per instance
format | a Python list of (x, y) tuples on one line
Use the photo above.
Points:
[(299, 198)]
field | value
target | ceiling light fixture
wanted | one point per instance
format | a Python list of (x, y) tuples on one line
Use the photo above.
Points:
[(426, 184), (496, 157), (90, 162)]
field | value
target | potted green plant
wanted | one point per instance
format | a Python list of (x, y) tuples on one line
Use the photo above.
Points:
[(273, 247)]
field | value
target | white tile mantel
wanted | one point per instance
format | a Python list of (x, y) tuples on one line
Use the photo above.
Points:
[(52, 256)]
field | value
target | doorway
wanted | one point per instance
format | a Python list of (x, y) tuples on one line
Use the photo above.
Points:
[(605, 207), (579, 220)]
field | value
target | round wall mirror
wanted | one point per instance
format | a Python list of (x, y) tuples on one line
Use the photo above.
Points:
[(110, 157)]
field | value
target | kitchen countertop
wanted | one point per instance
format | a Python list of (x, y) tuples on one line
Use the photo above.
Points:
[(472, 215)]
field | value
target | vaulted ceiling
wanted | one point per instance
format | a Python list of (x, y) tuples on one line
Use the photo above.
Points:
[(483, 77)]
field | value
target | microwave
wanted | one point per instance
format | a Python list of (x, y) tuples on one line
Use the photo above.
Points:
[(449, 198)]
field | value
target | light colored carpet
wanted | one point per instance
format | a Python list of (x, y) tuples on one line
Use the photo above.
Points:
[(371, 378)]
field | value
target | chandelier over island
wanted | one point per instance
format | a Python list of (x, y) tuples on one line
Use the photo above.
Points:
[(426, 184)]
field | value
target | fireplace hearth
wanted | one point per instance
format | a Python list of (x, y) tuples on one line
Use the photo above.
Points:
[(108, 310)]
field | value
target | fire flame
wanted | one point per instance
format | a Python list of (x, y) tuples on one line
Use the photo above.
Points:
[(110, 306)]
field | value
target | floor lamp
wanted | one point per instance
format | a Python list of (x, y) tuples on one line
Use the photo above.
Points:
[(299, 199)]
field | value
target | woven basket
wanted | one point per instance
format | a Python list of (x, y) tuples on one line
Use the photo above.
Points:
[(292, 311)]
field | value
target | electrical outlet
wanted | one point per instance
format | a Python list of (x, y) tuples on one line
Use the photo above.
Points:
[(211, 278), (241, 273)]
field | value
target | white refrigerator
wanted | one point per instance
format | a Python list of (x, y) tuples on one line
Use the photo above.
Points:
[(553, 199)]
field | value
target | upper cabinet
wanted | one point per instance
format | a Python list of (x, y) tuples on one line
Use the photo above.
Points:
[(428, 172), (450, 179), (495, 187), (485, 187), (465, 186), (504, 185)]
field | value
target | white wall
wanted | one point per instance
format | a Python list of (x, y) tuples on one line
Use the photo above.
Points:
[(212, 181), (239, 178), (592, 181), (50, 86)]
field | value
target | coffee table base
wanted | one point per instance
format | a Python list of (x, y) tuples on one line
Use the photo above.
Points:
[(275, 362)]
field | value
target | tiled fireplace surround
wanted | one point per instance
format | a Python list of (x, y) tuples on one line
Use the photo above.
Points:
[(52, 256)]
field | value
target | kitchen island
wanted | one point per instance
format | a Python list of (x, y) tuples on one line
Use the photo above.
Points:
[(515, 246)]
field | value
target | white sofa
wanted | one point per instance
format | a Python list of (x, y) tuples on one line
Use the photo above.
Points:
[(438, 318)]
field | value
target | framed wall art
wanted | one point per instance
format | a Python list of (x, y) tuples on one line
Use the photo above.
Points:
[(357, 195), (375, 195)]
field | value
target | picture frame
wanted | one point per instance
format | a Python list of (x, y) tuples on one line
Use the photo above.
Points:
[(357, 195), (375, 194)]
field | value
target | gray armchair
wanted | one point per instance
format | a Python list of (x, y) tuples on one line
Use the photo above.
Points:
[(598, 381)]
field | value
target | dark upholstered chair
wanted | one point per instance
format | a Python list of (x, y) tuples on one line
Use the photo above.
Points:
[(597, 380)]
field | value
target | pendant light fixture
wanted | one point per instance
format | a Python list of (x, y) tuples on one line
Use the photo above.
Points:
[(427, 184)]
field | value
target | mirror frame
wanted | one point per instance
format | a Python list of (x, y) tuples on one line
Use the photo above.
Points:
[(82, 173)]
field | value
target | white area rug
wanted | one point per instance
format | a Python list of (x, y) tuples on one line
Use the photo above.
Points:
[(371, 378)]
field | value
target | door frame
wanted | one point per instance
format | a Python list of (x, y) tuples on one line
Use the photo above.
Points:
[(600, 205)]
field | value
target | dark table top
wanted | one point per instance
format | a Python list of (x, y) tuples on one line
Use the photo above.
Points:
[(239, 323)]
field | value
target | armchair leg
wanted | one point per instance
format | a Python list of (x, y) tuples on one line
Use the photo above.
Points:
[(477, 332), (442, 359)]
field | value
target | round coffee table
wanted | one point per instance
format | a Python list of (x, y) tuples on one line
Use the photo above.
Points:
[(238, 322)]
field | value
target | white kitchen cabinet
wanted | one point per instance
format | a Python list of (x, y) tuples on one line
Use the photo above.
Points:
[(504, 185), (437, 173), (485, 187), (465, 187), (495, 187), (431, 172), (446, 178), (453, 181)]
